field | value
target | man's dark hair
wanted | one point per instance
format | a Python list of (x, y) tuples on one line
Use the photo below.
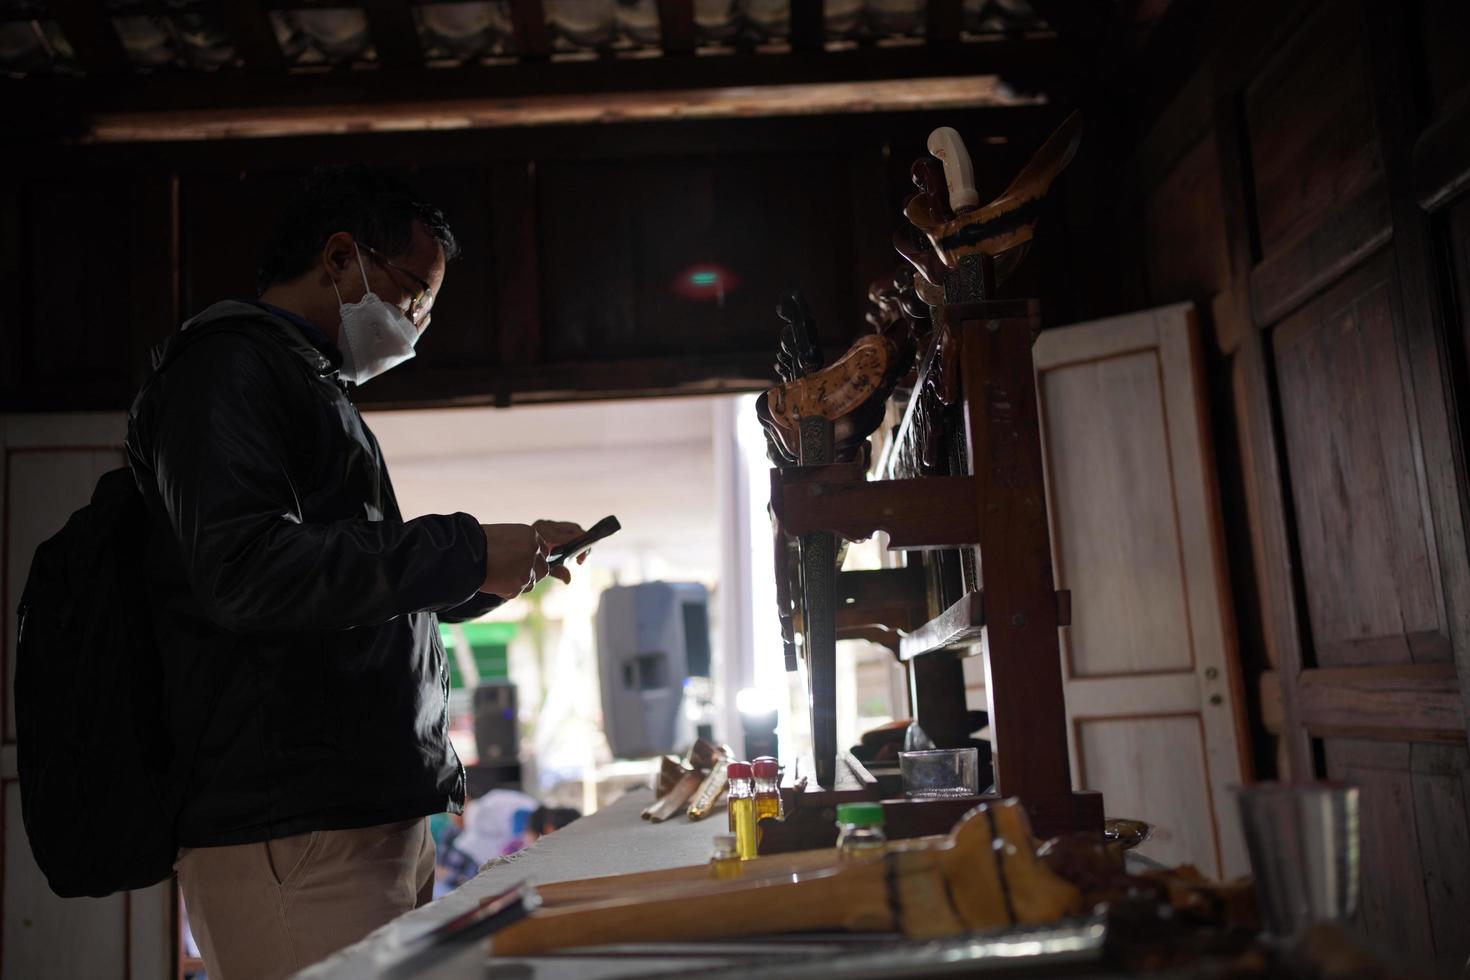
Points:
[(377, 208)]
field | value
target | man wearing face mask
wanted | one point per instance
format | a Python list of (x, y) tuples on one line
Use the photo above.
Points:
[(296, 611)]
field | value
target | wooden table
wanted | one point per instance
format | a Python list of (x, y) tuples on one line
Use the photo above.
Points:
[(615, 840)]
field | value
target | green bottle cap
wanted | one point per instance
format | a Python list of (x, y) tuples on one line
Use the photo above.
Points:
[(860, 814)]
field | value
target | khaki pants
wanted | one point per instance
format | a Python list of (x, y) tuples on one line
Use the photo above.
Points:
[(263, 911)]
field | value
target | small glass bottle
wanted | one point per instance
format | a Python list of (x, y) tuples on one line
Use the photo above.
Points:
[(724, 863), (742, 809), (860, 832), (767, 788)]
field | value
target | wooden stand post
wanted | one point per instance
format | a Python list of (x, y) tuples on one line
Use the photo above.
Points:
[(1023, 675)]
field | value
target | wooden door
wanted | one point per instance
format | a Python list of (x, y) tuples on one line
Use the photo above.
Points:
[(50, 464), (1149, 662)]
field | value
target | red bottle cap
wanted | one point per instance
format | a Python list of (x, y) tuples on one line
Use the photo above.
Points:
[(765, 767), (739, 770)]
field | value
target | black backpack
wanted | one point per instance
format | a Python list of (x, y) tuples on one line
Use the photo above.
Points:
[(98, 800), (100, 785)]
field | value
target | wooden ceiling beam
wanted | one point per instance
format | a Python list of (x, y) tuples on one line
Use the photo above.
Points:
[(251, 31), (91, 35), (748, 102), (57, 104), (394, 33), (573, 381), (533, 37), (676, 25), (49, 159)]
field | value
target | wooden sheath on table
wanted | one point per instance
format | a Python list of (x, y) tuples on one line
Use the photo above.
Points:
[(985, 874)]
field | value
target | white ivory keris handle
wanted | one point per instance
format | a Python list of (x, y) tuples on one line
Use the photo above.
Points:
[(945, 144)]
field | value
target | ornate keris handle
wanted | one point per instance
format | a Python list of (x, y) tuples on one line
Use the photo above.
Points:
[(965, 229), (946, 146)]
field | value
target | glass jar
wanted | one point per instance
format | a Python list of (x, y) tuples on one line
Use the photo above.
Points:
[(767, 788), (860, 835), (742, 810), (724, 863)]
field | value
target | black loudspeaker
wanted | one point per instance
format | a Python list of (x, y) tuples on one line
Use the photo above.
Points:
[(497, 730), (651, 638)]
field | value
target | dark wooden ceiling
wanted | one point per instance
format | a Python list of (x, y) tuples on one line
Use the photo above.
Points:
[(63, 63)]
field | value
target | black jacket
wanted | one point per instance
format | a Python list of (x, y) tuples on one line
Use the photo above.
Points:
[(295, 608)]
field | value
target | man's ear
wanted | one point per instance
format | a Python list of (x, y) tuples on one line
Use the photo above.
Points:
[(338, 255)]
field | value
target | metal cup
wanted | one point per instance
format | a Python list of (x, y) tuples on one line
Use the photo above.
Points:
[(1305, 852)]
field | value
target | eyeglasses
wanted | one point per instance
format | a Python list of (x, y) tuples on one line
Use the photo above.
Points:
[(423, 300)]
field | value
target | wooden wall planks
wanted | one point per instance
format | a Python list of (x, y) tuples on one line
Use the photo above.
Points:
[(1456, 229), (573, 240), (1443, 26), (1408, 702), (1360, 506), (1344, 331), (1186, 205), (622, 242), (1310, 126), (1416, 844)]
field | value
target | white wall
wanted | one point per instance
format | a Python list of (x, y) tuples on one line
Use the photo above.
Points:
[(647, 461)]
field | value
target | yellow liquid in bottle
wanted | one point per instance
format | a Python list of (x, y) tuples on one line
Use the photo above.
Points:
[(725, 868), (742, 815), (767, 805)]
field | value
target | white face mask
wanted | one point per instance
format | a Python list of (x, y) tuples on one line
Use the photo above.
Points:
[(375, 335)]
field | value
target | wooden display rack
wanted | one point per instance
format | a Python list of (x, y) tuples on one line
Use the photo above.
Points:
[(960, 488), (999, 511)]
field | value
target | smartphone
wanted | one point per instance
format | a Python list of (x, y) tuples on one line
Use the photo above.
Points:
[(559, 554)]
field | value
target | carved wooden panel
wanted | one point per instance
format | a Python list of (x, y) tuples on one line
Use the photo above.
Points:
[(1310, 125), (1154, 769), (1368, 564), (1416, 844), (1185, 226)]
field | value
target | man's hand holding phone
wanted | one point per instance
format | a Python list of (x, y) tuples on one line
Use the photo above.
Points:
[(515, 555)]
